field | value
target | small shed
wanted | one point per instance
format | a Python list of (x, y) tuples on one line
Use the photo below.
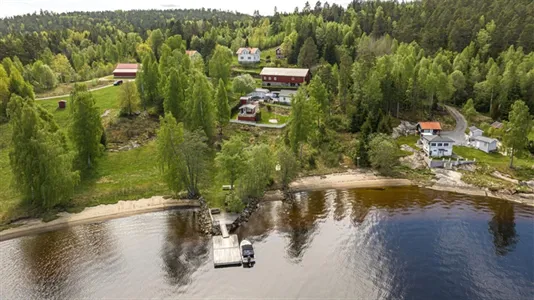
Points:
[(485, 144), (474, 132), (61, 104)]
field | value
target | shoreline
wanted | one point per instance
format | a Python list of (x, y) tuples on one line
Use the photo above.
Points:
[(103, 212), (346, 180)]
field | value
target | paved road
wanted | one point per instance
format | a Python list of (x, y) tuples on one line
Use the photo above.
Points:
[(458, 134), (68, 95)]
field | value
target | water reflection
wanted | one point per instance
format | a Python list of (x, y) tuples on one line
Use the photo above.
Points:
[(52, 259), (404, 243), (502, 227), (184, 250)]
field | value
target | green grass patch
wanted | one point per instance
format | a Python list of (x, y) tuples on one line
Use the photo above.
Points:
[(523, 166), (105, 99), (267, 115), (410, 140), (486, 181)]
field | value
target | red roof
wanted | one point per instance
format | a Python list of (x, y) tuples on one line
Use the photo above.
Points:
[(251, 50), (127, 66), (430, 125)]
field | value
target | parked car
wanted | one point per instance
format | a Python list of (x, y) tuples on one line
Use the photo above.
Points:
[(118, 82)]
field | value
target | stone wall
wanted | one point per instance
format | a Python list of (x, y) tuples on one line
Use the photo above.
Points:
[(205, 223)]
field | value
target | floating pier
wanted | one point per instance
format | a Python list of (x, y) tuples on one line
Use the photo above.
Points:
[(226, 251)]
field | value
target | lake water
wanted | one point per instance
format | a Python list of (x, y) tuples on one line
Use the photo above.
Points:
[(402, 243)]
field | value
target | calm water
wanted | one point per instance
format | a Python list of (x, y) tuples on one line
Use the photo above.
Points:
[(358, 244)]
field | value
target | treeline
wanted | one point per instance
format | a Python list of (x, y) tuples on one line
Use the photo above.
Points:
[(83, 45)]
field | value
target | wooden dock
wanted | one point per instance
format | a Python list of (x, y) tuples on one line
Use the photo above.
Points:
[(226, 250)]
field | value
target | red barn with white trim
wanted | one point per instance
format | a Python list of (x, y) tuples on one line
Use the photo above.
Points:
[(126, 71), (284, 77)]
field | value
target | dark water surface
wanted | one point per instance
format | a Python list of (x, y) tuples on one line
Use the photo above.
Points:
[(402, 243)]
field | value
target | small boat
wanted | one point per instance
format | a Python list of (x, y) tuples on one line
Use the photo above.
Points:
[(247, 252)]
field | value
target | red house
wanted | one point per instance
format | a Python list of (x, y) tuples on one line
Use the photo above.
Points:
[(249, 112), (284, 77), (126, 71)]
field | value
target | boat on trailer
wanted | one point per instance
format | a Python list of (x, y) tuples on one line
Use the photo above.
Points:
[(247, 253)]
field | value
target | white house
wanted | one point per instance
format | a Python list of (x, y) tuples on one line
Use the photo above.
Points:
[(285, 96), (436, 145), (474, 132), (485, 144), (259, 93), (248, 55), (429, 128)]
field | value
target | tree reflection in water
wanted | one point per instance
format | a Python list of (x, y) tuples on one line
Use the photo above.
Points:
[(184, 249), (298, 221), (502, 227), (51, 258)]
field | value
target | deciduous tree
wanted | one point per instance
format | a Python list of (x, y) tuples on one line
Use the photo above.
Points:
[(243, 84), (223, 109), (383, 153), (201, 105), (129, 98), (40, 160), (219, 65), (231, 160), (518, 129), (85, 127)]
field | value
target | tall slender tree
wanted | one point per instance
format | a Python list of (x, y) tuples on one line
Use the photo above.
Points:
[(201, 105), (223, 109), (518, 129), (85, 127), (174, 101)]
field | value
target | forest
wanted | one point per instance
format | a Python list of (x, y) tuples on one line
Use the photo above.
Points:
[(372, 62)]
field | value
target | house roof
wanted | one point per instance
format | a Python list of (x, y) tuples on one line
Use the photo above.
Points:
[(251, 50), (438, 138), (285, 72), (127, 67), (430, 125), (286, 93), (250, 106), (474, 128), (191, 52), (496, 125), (484, 139)]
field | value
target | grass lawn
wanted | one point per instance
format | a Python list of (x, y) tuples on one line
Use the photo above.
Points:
[(410, 140), (119, 175), (523, 166), (106, 98), (66, 88), (266, 116)]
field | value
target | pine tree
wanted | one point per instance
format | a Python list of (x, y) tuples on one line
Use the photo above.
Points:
[(308, 54), (85, 127), (223, 109)]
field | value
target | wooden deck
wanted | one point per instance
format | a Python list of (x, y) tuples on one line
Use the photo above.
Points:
[(226, 250)]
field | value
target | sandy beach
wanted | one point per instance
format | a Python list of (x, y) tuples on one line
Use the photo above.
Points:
[(349, 179), (96, 214), (448, 181)]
